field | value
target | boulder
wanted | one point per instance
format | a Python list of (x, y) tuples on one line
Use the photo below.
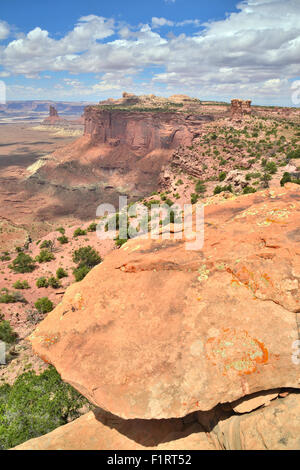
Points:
[(159, 330)]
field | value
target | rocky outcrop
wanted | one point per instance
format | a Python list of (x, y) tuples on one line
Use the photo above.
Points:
[(158, 331), (239, 108), (274, 428), (54, 119)]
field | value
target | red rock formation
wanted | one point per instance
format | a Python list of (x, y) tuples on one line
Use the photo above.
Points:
[(274, 428), (143, 132), (239, 108), (53, 119), (158, 331)]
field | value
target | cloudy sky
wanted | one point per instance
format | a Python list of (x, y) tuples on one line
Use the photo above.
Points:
[(88, 50)]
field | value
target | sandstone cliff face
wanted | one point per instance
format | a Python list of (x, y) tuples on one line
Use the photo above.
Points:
[(142, 132), (121, 152)]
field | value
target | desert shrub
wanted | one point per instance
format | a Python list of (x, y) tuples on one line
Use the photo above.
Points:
[(220, 189), (86, 256), (285, 179), (266, 177), (80, 273), (194, 198), (222, 175), (5, 256), (22, 264), (21, 285), (35, 405), (120, 241), (200, 187), (92, 227), (42, 282), (63, 240), (79, 232), (54, 282), (271, 167), (179, 182), (7, 297), (294, 154), (7, 335), (61, 230), (60, 273), (44, 305), (249, 190), (45, 256), (47, 244)]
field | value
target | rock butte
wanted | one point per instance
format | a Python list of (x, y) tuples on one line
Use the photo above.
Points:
[(158, 331)]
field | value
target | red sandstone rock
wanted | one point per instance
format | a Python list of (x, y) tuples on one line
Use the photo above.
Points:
[(53, 118), (157, 331), (239, 108), (273, 428)]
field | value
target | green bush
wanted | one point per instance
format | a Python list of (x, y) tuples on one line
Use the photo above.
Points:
[(222, 175), (120, 241), (86, 256), (220, 189), (79, 232), (45, 256), (249, 190), (194, 198), (42, 282), (7, 335), (200, 187), (5, 257), (63, 240), (21, 285), (60, 273), (80, 273), (54, 282), (61, 230), (7, 297), (47, 244), (44, 305), (22, 264), (294, 154), (285, 179), (271, 168), (35, 405), (92, 227)]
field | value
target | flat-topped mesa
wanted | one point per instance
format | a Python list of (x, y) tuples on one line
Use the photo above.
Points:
[(142, 130), (239, 108)]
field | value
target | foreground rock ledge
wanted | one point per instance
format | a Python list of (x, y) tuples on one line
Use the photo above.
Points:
[(275, 428), (157, 331)]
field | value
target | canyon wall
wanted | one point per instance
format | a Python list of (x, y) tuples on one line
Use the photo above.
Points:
[(142, 131), (121, 153)]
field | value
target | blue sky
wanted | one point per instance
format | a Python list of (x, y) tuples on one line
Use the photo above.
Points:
[(90, 50)]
